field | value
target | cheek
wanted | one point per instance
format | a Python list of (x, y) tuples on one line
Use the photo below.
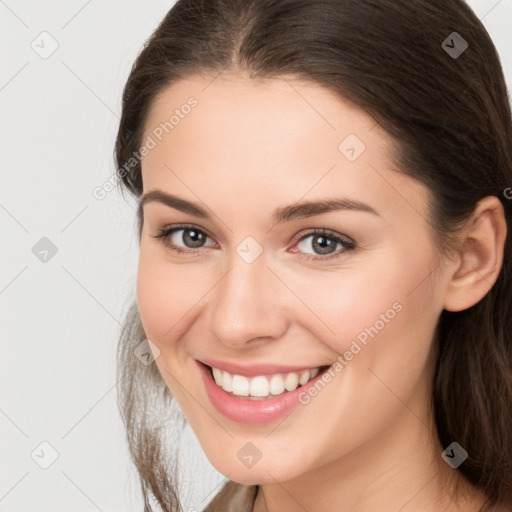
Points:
[(168, 296), (163, 312), (387, 302), (346, 305), (158, 292), (151, 303)]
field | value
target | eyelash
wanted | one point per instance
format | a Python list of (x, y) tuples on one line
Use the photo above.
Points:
[(348, 245)]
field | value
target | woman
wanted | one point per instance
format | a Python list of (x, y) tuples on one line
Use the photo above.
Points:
[(324, 277)]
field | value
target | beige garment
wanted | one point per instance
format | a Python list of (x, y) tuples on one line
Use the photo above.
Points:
[(233, 497)]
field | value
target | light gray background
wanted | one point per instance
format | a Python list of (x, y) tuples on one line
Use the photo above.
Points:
[(60, 318)]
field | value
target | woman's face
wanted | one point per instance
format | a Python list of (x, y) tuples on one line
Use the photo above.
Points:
[(249, 294)]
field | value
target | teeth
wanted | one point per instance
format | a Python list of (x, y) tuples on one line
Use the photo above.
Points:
[(291, 382), (304, 377), (240, 385), (217, 374), (276, 385), (262, 386), (259, 386)]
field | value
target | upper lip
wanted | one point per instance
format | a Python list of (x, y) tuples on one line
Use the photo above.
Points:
[(254, 370)]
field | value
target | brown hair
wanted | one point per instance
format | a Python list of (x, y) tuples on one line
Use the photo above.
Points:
[(450, 118)]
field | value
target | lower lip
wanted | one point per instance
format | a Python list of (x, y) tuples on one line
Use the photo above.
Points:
[(254, 412)]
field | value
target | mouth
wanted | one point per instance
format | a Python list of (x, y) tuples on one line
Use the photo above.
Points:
[(258, 398), (262, 387)]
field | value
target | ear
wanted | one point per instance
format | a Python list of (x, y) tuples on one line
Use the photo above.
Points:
[(480, 256)]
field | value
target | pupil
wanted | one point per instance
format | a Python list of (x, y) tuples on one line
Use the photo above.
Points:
[(325, 243), (196, 237)]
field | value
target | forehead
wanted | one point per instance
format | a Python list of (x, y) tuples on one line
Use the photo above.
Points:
[(284, 138), (243, 106)]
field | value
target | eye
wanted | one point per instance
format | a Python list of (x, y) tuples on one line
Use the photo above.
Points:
[(322, 240), (192, 237), (325, 242)]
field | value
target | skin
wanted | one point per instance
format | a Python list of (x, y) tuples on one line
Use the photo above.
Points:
[(367, 441)]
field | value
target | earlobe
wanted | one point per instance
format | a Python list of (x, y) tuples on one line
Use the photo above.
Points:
[(480, 256)]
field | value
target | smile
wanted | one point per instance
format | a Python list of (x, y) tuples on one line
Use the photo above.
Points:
[(262, 386), (244, 407)]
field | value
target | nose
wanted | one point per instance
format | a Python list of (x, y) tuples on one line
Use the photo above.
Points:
[(248, 304)]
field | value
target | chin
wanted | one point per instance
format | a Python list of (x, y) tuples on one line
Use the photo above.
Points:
[(261, 472)]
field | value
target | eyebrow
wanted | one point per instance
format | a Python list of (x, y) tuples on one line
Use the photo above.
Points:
[(280, 215)]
